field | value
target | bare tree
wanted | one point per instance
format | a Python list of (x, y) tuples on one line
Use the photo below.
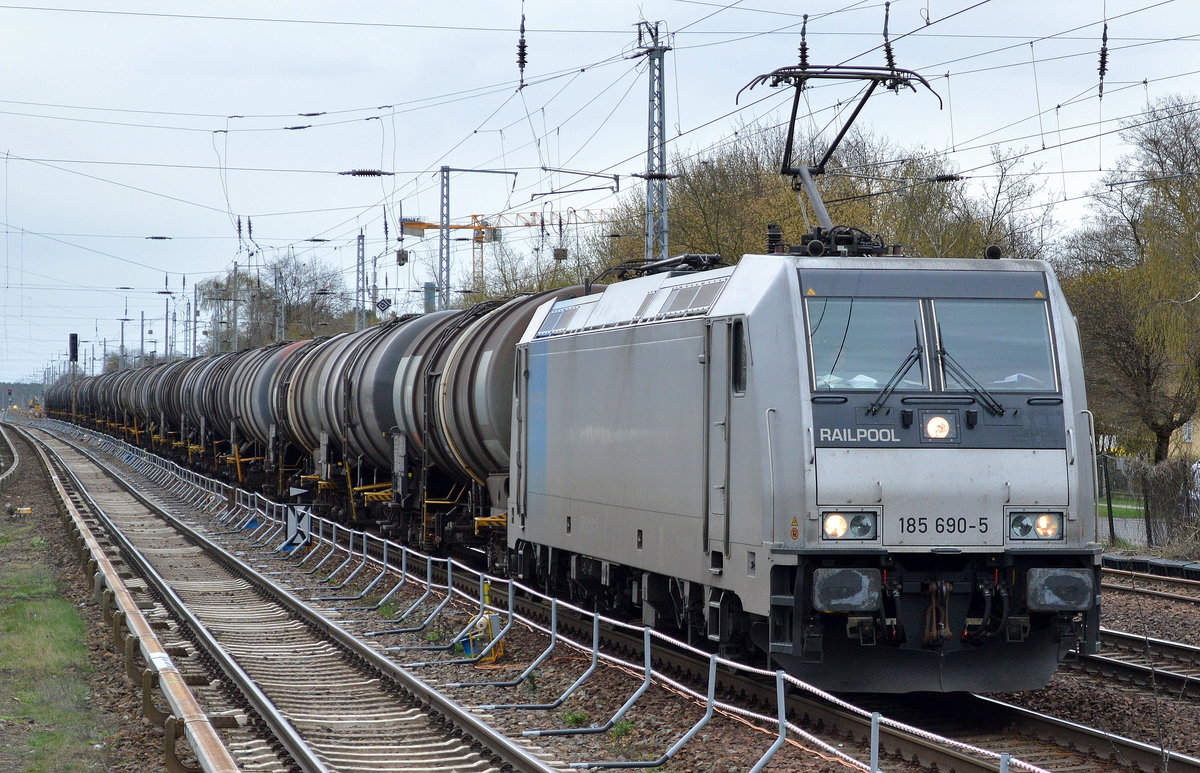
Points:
[(722, 201), (287, 298)]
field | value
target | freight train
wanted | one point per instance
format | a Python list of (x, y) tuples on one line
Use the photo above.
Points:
[(875, 471)]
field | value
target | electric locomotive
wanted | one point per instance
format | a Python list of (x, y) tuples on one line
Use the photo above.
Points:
[(876, 470)]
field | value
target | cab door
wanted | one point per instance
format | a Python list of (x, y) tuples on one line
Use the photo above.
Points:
[(518, 467), (718, 392)]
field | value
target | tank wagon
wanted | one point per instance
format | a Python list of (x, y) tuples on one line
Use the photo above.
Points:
[(405, 424)]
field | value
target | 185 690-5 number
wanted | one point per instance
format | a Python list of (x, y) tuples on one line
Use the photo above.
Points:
[(943, 525)]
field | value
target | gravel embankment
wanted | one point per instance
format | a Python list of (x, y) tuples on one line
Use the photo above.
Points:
[(132, 744), (1153, 717)]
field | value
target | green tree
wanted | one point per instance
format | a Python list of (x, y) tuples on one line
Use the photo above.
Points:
[(722, 201), (1132, 275)]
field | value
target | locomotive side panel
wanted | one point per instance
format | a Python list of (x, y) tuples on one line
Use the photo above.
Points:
[(1081, 439), (614, 446)]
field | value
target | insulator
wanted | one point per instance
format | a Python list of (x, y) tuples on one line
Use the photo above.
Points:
[(1103, 68), (522, 48), (888, 54), (1104, 52), (804, 43), (774, 238)]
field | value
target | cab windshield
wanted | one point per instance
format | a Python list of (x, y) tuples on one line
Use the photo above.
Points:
[(859, 343), (1003, 344)]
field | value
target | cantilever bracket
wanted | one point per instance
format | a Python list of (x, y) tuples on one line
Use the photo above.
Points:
[(798, 76)]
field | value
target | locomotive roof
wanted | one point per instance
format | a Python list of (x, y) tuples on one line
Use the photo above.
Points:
[(734, 289)]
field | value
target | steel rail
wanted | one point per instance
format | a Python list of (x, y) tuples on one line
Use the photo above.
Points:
[(206, 743), (1150, 576), (1131, 645), (1170, 649), (1162, 594), (1104, 745), (496, 743), (16, 457), (287, 735)]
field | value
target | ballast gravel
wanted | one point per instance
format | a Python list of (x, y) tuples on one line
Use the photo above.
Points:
[(1156, 717)]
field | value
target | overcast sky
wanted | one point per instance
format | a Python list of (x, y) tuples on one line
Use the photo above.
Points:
[(122, 120)]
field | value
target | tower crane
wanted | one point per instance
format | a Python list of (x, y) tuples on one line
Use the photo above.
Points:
[(485, 229)]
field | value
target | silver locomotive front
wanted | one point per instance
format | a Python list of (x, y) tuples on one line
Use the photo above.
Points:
[(949, 541)]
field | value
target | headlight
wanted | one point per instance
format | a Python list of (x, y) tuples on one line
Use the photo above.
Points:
[(849, 525), (937, 428), (1034, 526), (1047, 525), (836, 526)]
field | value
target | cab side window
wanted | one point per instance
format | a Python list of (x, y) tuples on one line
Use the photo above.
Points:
[(737, 356)]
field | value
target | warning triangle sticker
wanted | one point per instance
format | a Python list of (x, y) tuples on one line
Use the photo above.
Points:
[(1038, 294), (811, 292), (795, 522)]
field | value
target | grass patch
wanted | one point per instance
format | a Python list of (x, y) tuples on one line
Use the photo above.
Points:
[(49, 725), (22, 581), (575, 718), (388, 611), (1118, 511), (42, 635), (623, 728)]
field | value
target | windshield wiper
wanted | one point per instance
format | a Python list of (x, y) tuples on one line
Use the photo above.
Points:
[(893, 383), (951, 365)]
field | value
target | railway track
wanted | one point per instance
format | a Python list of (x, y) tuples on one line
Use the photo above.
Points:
[(1147, 661), (9, 458), (972, 721), (1157, 585), (1048, 742), (1040, 743), (331, 702), (311, 577)]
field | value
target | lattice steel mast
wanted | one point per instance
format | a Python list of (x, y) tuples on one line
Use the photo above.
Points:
[(654, 45)]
